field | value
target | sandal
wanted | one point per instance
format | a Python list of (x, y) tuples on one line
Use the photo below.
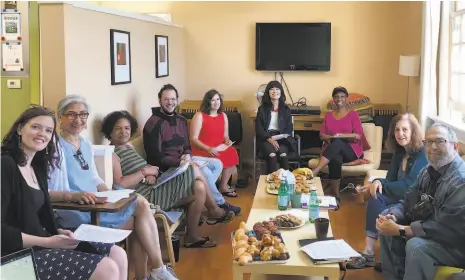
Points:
[(230, 193), (226, 218), (205, 242)]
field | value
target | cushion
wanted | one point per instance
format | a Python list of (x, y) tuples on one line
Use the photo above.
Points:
[(354, 100), (366, 146), (359, 161)]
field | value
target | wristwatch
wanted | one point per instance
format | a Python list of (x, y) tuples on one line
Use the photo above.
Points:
[(402, 233)]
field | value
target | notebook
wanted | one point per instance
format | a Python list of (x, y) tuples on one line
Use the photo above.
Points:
[(329, 250), (19, 265)]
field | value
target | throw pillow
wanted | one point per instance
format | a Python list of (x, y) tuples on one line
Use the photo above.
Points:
[(354, 101), (359, 161)]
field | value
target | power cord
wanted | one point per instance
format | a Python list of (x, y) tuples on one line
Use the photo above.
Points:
[(285, 84)]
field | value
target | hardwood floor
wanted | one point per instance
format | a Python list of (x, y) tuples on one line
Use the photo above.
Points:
[(214, 264)]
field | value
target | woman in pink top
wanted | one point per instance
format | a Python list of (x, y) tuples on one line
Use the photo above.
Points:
[(341, 132)]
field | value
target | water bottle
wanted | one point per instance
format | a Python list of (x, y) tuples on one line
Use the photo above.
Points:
[(283, 194), (313, 206)]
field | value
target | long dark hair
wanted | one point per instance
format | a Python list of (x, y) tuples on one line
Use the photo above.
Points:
[(11, 144), (206, 102), (266, 99)]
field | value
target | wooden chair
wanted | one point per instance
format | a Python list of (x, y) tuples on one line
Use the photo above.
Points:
[(169, 229)]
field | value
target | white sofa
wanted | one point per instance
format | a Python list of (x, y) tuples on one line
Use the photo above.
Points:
[(374, 136)]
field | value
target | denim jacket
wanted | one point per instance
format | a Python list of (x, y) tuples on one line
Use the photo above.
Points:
[(395, 187), (446, 226)]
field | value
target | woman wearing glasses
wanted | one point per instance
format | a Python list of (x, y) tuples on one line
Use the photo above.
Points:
[(28, 155), (77, 179), (404, 140)]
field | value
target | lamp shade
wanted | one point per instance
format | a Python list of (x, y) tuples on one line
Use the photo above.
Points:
[(409, 65)]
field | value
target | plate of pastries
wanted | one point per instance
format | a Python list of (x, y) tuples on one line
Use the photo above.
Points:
[(252, 247), (287, 221), (302, 179)]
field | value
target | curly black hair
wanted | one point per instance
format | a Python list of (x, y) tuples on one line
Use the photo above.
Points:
[(206, 102), (110, 120), (11, 144), (266, 99)]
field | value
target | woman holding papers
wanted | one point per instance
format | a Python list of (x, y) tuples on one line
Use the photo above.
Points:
[(341, 133), (78, 174), (209, 136), (28, 155), (404, 140), (131, 171), (274, 128)]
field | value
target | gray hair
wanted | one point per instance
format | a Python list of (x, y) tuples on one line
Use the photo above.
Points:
[(70, 100), (450, 131)]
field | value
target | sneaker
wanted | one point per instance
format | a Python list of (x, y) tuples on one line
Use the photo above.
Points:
[(165, 273), (228, 207), (361, 262)]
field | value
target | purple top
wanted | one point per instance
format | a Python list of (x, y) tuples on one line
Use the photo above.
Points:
[(350, 123)]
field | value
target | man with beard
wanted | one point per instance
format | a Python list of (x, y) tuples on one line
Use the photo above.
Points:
[(426, 229), (166, 143)]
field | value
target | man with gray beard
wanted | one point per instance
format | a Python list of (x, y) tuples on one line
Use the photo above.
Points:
[(427, 228)]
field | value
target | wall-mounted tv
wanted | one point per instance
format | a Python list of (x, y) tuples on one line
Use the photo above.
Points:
[(293, 46)]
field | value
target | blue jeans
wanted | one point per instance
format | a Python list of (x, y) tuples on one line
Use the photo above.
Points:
[(374, 208), (415, 259), (212, 172)]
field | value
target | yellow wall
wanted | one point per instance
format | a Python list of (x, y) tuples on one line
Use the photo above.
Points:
[(14, 101), (76, 60), (367, 39)]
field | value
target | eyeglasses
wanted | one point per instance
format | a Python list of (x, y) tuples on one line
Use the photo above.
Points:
[(352, 188), (82, 162), (73, 116), (438, 142)]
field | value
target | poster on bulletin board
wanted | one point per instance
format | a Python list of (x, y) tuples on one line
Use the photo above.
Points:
[(11, 26), (12, 57)]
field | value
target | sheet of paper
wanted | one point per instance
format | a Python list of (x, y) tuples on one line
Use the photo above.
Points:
[(114, 196), (12, 57), (173, 174), (372, 178), (93, 233), (325, 201), (330, 250), (279, 136), (201, 163), (223, 147)]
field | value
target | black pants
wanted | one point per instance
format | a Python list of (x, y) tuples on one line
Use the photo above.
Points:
[(338, 152), (271, 162)]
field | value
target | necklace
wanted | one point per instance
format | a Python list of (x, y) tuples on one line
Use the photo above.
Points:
[(32, 174)]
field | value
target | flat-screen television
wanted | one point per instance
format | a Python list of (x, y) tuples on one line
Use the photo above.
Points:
[(293, 46)]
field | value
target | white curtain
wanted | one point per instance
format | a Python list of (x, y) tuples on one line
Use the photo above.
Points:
[(434, 60), (429, 50)]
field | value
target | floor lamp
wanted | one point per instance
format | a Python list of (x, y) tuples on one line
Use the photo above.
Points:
[(409, 66)]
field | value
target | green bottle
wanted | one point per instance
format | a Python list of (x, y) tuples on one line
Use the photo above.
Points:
[(283, 195)]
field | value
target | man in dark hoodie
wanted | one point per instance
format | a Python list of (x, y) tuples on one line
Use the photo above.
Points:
[(166, 142)]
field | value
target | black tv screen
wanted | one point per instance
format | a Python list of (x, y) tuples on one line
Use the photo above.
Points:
[(293, 46)]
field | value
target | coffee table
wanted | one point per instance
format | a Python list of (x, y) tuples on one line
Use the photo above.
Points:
[(264, 207)]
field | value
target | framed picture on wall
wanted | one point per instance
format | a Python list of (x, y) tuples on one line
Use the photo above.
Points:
[(120, 53), (161, 56)]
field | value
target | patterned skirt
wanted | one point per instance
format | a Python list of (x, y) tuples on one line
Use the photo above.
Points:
[(59, 264)]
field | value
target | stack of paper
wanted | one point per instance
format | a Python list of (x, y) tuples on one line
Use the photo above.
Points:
[(91, 233), (330, 251), (114, 196)]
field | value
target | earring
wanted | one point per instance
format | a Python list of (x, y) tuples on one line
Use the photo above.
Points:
[(46, 150)]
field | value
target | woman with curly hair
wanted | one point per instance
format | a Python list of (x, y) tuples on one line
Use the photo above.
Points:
[(131, 171)]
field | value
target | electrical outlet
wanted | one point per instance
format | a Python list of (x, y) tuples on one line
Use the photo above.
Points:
[(16, 84)]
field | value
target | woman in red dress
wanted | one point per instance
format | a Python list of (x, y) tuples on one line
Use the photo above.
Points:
[(209, 129)]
